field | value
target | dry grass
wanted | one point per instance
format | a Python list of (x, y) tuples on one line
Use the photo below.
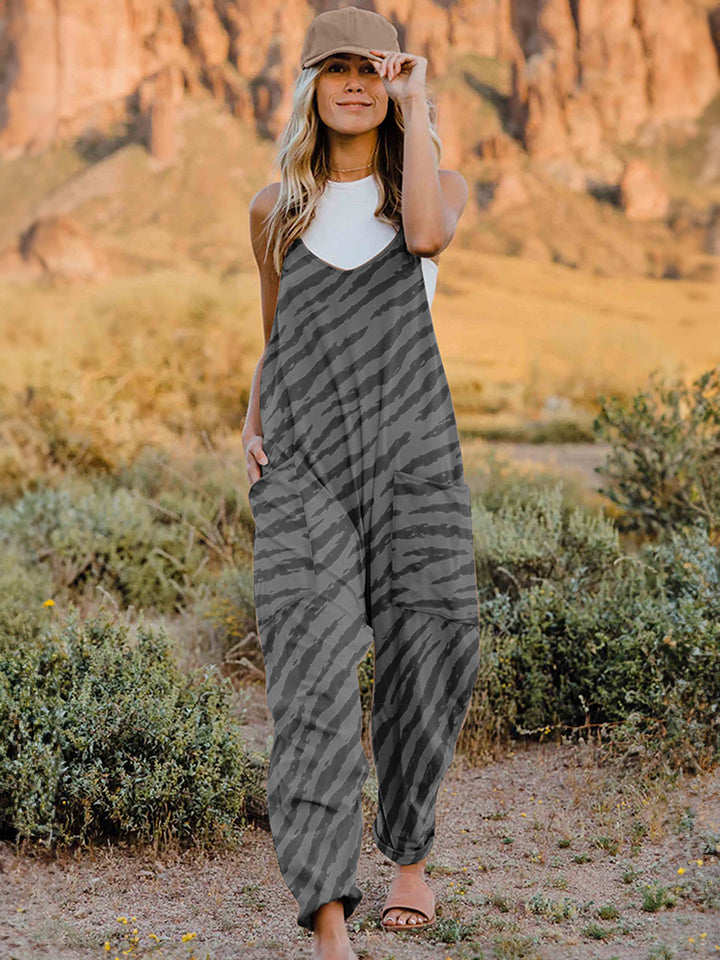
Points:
[(163, 352), (94, 373)]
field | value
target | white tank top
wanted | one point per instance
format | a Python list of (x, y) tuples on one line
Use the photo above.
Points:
[(345, 233)]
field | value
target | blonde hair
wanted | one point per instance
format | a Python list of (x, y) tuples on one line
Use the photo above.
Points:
[(304, 162)]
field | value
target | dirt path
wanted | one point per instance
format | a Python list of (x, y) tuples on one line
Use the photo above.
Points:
[(528, 849), (570, 460), (541, 855), (578, 459)]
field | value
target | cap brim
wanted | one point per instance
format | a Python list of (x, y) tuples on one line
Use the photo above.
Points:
[(362, 51)]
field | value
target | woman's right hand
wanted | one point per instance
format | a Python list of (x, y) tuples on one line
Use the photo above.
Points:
[(254, 456)]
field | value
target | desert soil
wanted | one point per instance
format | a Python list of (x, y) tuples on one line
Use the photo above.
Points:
[(528, 850)]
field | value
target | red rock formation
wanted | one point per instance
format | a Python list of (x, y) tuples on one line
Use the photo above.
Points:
[(642, 192), (604, 73), (585, 72), (162, 115), (498, 146), (683, 68), (63, 248), (70, 64)]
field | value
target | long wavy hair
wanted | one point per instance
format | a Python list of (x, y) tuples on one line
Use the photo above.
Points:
[(304, 162)]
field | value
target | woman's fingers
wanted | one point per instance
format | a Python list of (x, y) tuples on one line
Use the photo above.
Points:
[(388, 66), (255, 457)]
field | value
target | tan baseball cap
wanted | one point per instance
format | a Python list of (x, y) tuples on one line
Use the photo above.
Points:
[(348, 30)]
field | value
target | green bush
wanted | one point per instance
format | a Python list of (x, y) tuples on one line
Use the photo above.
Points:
[(86, 536), (102, 737), (23, 586), (665, 457), (576, 634), (537, 539), (230, 605)]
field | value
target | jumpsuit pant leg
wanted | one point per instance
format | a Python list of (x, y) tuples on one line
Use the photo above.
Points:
[(324, 592), (425, 668), (425, 619), (317, 762), (309, 597)]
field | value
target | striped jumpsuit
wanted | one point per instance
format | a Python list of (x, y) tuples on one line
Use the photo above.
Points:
[(363, 536)]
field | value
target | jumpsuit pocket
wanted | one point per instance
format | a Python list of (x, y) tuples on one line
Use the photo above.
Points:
[(282, 553), (433, 561)]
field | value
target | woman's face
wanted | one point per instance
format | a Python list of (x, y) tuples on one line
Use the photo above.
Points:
[(346, 78)]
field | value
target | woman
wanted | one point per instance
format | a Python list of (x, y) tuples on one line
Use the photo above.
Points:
[(363, 529)]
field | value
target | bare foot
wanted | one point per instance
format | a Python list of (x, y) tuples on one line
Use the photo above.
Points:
[(402, 918), (330, 940), (334, 951)]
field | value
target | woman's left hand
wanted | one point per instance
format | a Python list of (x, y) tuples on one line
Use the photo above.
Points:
[(403, 73)]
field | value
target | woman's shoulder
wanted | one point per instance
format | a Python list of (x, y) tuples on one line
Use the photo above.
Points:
[(260, 207), (264, 200)]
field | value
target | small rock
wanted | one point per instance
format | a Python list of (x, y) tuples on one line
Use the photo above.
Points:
[(63, 248), (642, 192)]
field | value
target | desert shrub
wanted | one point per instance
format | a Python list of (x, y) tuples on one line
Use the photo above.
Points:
[(366, 680), (204, 493), (576, 634), (230, 605), (538, 538), (664, 462), (85, 535), (23, 585), (102, 737)]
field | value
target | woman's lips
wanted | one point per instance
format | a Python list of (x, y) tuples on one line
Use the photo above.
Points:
[(354, 106)]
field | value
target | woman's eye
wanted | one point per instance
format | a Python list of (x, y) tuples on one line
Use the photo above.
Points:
[(368, 67)]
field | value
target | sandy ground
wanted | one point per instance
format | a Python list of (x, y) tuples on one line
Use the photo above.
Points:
[(574, 459), (543, 854), (528, 849)]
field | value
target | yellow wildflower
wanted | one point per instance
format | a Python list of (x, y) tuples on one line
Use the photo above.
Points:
[(49, 603), (681, 870), (188, 936)]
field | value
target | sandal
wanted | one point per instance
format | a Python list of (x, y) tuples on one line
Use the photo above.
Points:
[(408, 891)]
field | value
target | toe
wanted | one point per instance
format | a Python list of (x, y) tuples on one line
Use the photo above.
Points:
[(403, 918)]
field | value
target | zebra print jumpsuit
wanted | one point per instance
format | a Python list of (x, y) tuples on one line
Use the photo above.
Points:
[(363, 536)]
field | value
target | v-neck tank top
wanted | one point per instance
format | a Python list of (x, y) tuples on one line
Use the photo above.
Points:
[(345, 232)]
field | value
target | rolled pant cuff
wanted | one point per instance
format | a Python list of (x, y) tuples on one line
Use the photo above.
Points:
[(405, 856), (350, 902)]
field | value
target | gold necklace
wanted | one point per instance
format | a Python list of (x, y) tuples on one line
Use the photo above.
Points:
[(348, 169)]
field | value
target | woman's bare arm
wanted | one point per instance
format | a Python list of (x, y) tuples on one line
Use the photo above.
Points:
[(252, 436)]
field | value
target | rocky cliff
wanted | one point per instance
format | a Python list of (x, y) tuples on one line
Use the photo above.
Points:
[(588, 130), (599, 71), (585, 73)]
